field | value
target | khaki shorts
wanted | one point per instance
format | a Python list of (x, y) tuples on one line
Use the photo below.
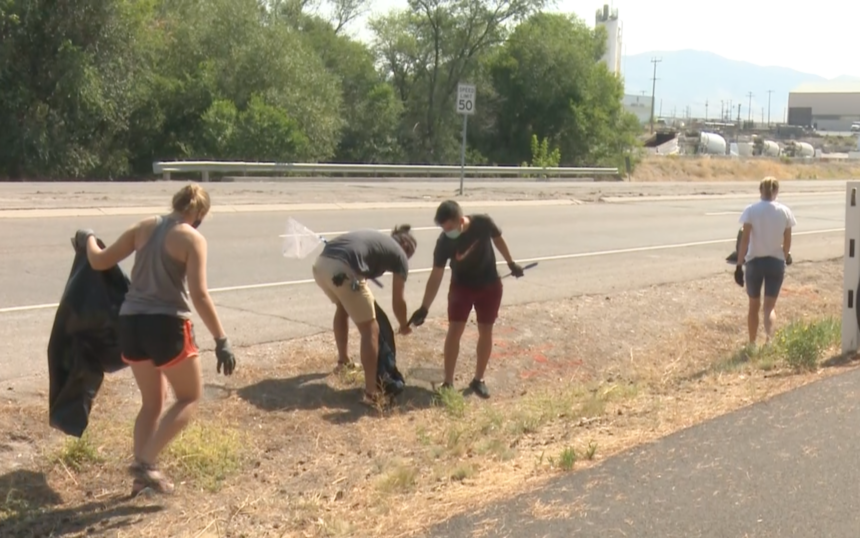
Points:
[(358, 303)]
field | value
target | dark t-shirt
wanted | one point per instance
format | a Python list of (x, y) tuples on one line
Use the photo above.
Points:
[(369, 253), (473, 260)]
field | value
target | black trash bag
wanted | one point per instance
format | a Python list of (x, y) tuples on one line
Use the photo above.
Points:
[(387, 375), (733, 257), (84, 342)]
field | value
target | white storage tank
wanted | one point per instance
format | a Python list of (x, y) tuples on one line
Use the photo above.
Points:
[(770, 149), (804, 149), (712, 144)]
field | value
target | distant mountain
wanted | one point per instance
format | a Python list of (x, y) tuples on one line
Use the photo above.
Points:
[(691, 78)]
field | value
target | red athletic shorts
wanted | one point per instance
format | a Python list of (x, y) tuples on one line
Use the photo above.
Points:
[(486, 300), (164, 340)]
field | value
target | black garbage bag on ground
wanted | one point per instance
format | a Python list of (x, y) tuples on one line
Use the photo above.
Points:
[(84, 342), (387, 374)]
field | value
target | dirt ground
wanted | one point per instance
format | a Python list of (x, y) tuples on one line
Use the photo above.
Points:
[(704, 168), (284, 449)]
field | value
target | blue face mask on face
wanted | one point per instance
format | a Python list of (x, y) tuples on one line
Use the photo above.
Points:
[(453, 234)]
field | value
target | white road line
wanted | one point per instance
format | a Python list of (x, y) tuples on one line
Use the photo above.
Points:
[(577, 255), (419, 229)]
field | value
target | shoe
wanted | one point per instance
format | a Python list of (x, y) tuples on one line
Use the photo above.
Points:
[(446, 386), (147, 477), (345, 367), (480, 388)]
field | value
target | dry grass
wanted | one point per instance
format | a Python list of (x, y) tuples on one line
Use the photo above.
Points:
[(709, 168), (290, 453)]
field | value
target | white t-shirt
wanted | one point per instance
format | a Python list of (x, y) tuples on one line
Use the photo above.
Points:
[(769, 220)]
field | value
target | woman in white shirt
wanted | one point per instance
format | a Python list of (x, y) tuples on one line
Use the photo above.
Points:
[(766, 243)]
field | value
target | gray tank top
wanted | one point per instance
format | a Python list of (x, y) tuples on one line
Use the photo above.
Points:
[(157, 280)]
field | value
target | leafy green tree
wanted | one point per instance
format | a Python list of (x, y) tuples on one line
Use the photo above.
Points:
[(550, 83), (427, 50), (66, 75)]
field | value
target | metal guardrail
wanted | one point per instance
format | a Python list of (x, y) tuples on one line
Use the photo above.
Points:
[(378, 170)]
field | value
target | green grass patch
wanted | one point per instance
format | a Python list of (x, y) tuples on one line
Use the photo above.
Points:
[(78, 453), (800, 345), (803, 343), (206, 454)]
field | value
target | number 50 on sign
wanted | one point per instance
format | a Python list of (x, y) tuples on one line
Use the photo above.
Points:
[(465, 99)]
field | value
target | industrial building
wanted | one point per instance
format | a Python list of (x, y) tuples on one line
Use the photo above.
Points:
[(825, 106)]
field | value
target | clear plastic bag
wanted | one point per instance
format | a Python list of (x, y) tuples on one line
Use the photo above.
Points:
[(299, 241)]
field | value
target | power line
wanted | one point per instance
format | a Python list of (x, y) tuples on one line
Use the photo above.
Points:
[(654, 61)]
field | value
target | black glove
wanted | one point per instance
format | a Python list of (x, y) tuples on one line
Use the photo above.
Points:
[(788, 259), (418, 317), (516, 269), (739, 276), (225, 356), (81, 237)]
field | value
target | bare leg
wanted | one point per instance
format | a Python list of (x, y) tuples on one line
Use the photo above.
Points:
[(186, 381), (369, 331), (452, 348), (752, 318), (153, 391), (484, 350), (769, 316), (341, 334)]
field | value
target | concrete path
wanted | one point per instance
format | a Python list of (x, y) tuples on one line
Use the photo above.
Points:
[(263, 297), (785, 468), (97, 195)]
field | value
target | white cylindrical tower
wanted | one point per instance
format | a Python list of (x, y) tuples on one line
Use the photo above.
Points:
[(609, 20)]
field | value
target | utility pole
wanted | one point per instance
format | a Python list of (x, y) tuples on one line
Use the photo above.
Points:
[(749, 106), (706, 110), (722, 110), (768, 106), (654, 61)]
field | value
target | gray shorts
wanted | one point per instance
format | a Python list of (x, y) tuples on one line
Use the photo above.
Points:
[(768, 271)]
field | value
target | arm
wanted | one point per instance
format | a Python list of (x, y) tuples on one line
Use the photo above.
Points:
[(433, 284), (198, 289), (398, 302), (786, 235), (502, 246), (440, 259), (745, 243), (103, 259)]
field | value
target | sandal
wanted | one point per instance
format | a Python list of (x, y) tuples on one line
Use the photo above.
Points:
[(345, 367), (147, 476)]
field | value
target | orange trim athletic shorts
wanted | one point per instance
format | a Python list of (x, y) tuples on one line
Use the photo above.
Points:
[(165, 340)]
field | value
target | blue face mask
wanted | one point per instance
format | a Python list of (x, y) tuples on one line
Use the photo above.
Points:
[(453, 234)]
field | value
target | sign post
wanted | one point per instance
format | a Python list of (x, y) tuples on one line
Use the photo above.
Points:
[(466, 107)]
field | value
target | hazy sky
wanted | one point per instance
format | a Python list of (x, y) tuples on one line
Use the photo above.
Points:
[(818, 37)]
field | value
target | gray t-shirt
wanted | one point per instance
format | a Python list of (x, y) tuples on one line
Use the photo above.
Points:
[(369, 253)]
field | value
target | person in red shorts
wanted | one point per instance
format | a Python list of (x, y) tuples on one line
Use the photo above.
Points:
[(467, 241)]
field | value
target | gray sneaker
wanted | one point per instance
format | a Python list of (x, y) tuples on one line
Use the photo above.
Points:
[(480, 388)]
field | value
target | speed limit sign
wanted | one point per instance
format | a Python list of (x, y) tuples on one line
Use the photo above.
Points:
[(465, 99)]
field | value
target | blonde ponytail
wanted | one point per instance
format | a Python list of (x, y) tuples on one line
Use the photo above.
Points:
[(769, 187), (191, 199)]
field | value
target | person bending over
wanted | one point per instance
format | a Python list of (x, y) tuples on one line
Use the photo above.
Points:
[(342, 271), (156, 336), (467, 241), (766, 242)]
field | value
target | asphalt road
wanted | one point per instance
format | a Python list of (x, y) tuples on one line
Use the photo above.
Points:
[(264, 297), (784, 468)]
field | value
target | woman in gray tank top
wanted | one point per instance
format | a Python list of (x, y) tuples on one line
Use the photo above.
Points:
[(156, 335)]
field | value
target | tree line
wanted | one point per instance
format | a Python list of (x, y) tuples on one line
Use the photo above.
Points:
[(102, 88)]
